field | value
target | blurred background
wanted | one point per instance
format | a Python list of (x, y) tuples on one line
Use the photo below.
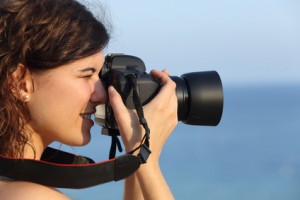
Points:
[(255, 47)]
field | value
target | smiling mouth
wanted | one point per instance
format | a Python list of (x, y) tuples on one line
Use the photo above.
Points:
[(86, 116)]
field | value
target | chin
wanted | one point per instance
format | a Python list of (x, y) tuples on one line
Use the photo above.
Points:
[(85, 140), (82, 141)]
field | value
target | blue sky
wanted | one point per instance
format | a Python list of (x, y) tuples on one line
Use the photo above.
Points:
[(247, 42)]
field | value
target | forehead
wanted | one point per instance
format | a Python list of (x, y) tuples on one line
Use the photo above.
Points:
[(95, 61)]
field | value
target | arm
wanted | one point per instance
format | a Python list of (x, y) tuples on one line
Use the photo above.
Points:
[(161, 115), (132, 189)]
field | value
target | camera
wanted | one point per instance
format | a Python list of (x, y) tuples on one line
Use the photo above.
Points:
[(199, 94)]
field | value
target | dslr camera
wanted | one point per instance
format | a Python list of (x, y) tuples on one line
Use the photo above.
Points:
[(199, 94)]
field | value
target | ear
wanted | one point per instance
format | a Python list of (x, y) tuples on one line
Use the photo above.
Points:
[(22, 83)]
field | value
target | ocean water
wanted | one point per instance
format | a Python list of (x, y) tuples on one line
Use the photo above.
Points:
[(254, 153)]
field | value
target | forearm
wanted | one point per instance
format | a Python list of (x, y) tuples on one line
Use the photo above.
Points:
[(132, 189), (152, 181), (147, 183)]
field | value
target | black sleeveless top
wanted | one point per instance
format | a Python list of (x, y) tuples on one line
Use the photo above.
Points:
[(3, 178)]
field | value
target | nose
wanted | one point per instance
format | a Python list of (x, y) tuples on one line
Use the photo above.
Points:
[(99, 96)]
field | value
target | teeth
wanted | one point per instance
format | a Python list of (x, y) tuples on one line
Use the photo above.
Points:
[(86, 116)]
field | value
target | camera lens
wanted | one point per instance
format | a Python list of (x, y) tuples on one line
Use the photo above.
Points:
[(200, 98)]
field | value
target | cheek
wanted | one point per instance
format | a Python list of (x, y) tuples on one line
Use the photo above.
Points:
[(70, 99), (55, 112), (59, 102)]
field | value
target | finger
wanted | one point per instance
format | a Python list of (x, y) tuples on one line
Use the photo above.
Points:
[(168, 88), (166, 71), (120, 110), (161, 75)]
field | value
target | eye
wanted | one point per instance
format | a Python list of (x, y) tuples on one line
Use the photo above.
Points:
[(87, 76), (87, 72)]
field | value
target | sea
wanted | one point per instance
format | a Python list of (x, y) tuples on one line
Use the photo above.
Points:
[(254, 153)]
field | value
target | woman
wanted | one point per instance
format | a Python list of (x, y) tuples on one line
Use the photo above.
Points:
[(51, 52)]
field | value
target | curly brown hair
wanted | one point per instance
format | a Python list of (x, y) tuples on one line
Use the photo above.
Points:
[(41, 35)]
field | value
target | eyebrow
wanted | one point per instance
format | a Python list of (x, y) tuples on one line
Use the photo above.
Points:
[(88, 69)]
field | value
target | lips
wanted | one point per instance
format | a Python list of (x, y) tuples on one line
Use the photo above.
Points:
[(87, 115)]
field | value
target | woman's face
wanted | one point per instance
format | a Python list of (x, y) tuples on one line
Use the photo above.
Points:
[(63, 100)]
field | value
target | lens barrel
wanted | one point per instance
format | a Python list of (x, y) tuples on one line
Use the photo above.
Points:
[(200, 98)]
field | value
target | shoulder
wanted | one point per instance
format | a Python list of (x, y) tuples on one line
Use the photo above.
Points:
[(16, 190)]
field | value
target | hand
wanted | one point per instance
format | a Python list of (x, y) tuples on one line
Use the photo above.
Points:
[(160, 113)]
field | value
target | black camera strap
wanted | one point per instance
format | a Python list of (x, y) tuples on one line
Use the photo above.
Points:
[(64, 170), (144, 146)]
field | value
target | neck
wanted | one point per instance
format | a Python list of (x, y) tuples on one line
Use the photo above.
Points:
[(35, 147)]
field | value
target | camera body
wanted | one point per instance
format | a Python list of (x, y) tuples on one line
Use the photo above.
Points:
[(115, 70), (199, 94)]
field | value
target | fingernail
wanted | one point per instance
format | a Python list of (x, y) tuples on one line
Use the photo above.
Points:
[(111, 89)]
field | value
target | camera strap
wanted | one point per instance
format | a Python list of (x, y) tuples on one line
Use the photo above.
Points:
[(144, 146), (64, 170)]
